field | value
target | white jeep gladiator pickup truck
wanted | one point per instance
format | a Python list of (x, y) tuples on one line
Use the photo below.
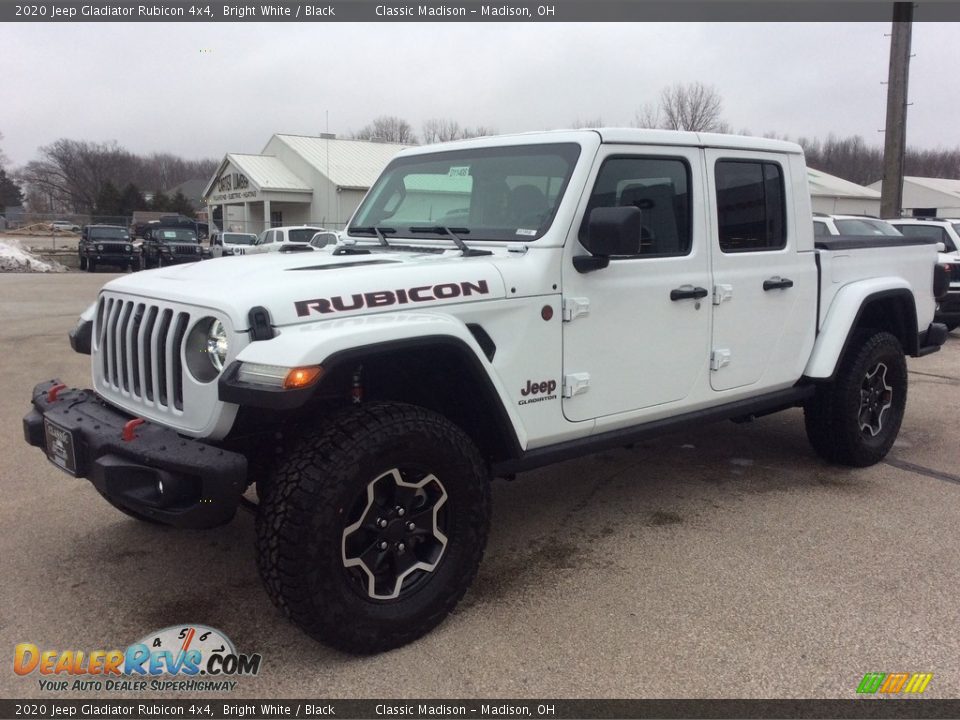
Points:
[(494, 305)]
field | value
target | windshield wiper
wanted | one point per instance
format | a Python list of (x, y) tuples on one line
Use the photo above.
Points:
[(452, 234), (373, 230)]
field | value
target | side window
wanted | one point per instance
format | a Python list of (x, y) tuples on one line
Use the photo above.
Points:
[(268, 237), (751, 207), (820, 229), (660, 188)]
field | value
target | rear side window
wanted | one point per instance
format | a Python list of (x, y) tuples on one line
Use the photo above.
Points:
[(820, 229), (660, 188), (937, 234), (751, 206)]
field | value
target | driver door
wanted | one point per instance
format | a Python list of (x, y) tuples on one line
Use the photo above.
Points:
[(636, 334)]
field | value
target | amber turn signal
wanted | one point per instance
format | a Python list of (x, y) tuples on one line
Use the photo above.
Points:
[(301, 377)]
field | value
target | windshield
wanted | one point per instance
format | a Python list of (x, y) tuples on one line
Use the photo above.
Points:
[(176, 235), (865, 226), (238, 239), (301, 235), (109, 234), (502, 193)]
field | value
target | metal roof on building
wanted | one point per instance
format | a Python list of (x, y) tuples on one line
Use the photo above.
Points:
[(946, 186), (267, 172), (824, 184), (346, 163)]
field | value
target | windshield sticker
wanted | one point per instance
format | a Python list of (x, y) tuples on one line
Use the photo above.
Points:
[(525, 231), (459, 171), (169, 234)]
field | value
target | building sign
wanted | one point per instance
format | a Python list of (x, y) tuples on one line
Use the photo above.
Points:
[(232, 186), (232, 181)]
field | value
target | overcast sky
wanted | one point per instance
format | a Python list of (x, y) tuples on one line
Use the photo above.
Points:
[(208, 89)]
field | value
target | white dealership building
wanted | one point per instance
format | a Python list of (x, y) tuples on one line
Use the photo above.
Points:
[(296, 180), (929, 197)]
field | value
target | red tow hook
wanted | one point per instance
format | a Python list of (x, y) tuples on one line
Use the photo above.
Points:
[(54, 391), (127, 434)]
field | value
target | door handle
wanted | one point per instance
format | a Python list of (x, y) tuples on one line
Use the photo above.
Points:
[(688, 292), (777, 283)]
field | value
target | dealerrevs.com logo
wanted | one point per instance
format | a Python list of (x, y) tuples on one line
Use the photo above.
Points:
[(180, 658)]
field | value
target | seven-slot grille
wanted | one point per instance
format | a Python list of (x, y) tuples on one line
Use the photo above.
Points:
[(140, 347), (111, 248), (186, 249)]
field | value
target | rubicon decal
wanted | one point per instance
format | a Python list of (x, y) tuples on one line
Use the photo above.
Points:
[(544, 390), (186, 651), (384, 298)]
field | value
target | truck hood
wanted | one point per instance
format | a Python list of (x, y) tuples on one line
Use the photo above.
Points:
[(310, 286)]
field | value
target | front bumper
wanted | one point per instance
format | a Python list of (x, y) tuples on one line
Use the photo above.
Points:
[(202, 484), (948, 309), (932, 339)]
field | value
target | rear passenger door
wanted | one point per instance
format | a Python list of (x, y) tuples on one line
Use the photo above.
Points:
[(764, 291)]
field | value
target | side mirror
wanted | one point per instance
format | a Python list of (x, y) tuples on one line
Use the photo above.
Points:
[(610, 231), (941, 247), (614, 230)]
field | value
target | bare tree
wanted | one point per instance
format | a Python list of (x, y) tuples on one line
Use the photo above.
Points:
[(439, 130), (444, 130), (478, 131), (694, 106), (588, 123), (388, 128), (648, 116), (71, 174)]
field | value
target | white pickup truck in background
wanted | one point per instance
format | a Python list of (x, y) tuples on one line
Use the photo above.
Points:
[(495, 305)]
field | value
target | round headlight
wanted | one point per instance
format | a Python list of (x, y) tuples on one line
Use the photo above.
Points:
[(206, 348), (217, 344), (99, 248), (127, 248)]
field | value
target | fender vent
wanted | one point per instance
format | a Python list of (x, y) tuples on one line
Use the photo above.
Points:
[(483, 340)]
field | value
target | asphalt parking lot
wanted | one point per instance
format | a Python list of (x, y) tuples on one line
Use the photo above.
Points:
[(727, 562)]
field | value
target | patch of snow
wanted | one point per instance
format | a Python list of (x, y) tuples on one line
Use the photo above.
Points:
[(13, 258)]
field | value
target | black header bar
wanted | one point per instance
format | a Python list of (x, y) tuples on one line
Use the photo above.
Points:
[(46, 708), (433, 11)]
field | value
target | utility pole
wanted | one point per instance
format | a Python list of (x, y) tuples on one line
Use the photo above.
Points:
[(895, 143)]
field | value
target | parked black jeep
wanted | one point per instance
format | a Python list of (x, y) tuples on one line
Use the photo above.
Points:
[(141, 229), (107, 245), (170, 246)]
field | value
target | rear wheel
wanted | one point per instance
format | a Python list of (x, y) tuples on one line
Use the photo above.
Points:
[(855, 419), (953, 325), (373, 527)]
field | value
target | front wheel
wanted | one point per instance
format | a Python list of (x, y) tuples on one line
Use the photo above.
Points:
[(83, 263), (373, 527), (855, 419), (91, 265)]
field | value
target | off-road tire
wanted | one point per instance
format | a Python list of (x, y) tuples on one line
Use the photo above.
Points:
[(83, 263), (91, 265), (305, 512), (832, 415), (953, 325)]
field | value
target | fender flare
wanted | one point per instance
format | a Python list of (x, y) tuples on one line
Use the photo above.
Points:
[(335, 342), (844, 315)]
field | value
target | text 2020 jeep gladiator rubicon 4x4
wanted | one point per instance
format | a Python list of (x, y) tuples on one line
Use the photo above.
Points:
[(495, 305)]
